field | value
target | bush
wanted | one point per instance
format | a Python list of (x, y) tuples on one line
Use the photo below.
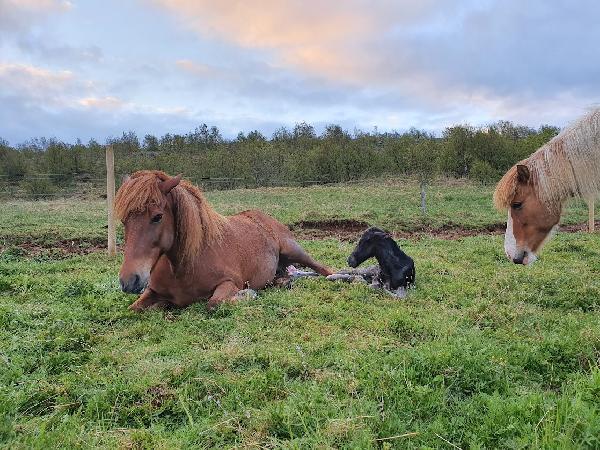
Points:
[(38, 188), (483, 171)]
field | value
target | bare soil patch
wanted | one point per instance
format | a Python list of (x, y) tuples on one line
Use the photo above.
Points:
[(58, 249), (351, 230), (340, 229)]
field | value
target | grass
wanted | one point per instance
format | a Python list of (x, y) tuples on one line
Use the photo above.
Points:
[(482, 354)]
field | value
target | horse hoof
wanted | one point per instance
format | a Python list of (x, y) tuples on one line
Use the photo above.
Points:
[(135, 308), (400, 293)]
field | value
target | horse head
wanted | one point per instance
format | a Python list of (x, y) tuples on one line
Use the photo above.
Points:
[(366, 246), (149, 233), (530, 222)]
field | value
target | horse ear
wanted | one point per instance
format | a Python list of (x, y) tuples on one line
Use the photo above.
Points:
[(522, 174), (167, 185)]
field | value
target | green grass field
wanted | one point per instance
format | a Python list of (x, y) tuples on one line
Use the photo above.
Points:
[(482, 354)]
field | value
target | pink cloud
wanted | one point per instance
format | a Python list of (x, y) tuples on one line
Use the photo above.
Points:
[(105, 103), (324, 39)]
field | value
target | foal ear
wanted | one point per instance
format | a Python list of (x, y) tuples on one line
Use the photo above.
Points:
[(522, 174), (167, 185), (382, 234)]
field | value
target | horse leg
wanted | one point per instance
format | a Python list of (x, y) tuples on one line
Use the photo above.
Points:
[(148, 299), (293, 253), (225, 292)]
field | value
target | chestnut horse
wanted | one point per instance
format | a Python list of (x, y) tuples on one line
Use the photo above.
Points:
[(179, 250), (535, 190)]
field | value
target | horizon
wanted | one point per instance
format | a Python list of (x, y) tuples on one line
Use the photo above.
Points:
[(95, 70)]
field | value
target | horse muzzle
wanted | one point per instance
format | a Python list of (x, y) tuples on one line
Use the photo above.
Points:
[(525, 257), (352, 262), (135, 284)]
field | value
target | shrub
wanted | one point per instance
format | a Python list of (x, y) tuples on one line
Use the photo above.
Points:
[(38, 188), (484, 172)]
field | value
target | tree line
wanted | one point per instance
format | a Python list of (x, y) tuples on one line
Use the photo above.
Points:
[(290, 156)]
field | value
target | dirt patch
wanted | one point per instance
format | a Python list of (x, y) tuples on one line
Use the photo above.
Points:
[(351, 230), (578, 227), (158, 395), (341, 229), (62, 248)]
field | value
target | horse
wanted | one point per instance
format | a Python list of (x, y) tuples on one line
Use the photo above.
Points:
[(396, 268), (535, 190), (179, 250)]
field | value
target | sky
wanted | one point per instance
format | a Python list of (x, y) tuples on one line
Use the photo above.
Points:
[(96, 68)]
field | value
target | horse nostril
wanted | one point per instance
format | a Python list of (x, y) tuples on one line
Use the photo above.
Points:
[(519, 259), (132, 284)]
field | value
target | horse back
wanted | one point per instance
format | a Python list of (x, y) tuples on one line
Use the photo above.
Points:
[(271, 225)]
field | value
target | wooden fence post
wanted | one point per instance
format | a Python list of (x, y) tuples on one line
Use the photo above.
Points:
[(110, 200), (591, 204)]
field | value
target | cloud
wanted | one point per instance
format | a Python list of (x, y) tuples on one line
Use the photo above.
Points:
[(494, 59), (321, 38), (262, 64), (17, 15), (36, 84), (62, 53), (105, 103), (39, 101), (197, 69)]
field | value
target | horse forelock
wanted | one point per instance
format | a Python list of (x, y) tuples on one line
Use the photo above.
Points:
[(138, 192), (196, 223), (505, 189)]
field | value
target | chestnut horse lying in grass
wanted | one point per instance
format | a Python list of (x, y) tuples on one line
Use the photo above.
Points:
[(179, 250)]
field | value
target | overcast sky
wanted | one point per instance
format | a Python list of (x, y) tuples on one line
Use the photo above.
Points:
[(95, 68)]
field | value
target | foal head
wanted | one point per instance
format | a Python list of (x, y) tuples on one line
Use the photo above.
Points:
[(530, 221), (367, 245), (146, 210)]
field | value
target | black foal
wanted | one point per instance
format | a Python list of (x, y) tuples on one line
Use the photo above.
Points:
[(397, 269)]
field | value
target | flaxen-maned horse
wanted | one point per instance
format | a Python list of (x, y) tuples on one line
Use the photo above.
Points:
[(179, 250), (535, 190)]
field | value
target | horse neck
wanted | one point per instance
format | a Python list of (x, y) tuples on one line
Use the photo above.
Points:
[(569, 166), (203, 212), (385, 254)]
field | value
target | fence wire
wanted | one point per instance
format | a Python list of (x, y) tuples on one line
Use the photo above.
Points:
[(85, 186)]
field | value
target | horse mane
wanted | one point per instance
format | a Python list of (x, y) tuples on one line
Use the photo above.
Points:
[(566, 166), (197, 224)]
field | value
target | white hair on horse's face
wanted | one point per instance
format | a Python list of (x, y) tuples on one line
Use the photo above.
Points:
[(510, 243)]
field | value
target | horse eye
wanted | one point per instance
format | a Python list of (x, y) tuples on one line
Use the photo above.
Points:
[(157, 218), (517, 205)]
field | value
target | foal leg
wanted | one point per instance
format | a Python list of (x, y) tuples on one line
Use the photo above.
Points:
[(293, 253)]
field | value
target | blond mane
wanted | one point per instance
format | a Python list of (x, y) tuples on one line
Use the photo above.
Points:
[(197, 224), (567, 166)]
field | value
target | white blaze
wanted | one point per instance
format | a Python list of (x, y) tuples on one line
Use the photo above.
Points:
[(510, 243)]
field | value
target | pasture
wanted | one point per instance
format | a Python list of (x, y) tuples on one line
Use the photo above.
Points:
[(482, 354)]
